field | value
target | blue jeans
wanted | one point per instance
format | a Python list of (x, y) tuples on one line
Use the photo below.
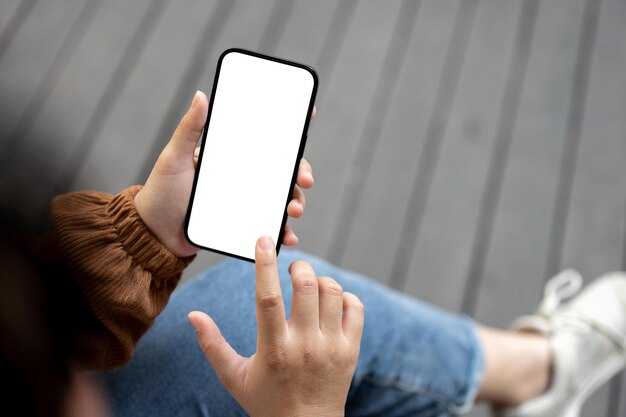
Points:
[(415, 359)]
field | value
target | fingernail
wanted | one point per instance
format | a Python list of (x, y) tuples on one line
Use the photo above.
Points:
[(266, 243), (196, 97)]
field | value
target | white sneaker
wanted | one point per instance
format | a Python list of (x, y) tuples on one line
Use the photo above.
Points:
[(588, 340)]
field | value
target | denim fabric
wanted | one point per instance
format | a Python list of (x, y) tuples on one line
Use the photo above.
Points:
[(415, 359)]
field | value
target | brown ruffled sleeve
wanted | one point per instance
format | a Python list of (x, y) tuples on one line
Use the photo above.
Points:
[(125, 274)]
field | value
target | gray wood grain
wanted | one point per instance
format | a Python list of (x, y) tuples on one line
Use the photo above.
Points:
[(13, 13), (394, 165), (28, 57), (514, 271), (341, 112), (128, 132), (442, 253), (370, 134), (499, 155), (203, 51), (306, 31), (8, 9)]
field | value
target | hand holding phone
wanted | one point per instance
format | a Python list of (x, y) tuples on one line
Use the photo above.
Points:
[(253, 140), (162, 202)]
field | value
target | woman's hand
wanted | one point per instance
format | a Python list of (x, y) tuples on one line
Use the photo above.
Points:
[(162, 203), (302, 367)]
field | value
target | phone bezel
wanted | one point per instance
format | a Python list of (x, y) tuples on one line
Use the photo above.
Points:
[(303, 139)]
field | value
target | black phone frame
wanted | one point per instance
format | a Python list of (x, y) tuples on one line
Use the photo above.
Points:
[(303, 140)]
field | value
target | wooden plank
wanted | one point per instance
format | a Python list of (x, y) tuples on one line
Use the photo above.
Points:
[(56, 130), (12, 14), (273, 31), (334, 41), (593, 237), (442, 253), (8, 9), (419, 190), (380, 214), (370, 134), (517, 256), (507, 120), (347, 91), (305, 32), (29, 56), (44, 87), (133, 119)]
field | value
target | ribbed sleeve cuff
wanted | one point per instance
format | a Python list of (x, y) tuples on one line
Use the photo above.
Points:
[(87, 221), (145, 249)]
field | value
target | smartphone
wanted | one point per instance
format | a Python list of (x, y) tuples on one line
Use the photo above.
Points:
[(254, 138)]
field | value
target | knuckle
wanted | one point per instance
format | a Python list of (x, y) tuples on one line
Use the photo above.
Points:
[(330, 286), (277, 360), (305, 282), (185, 125), (270, 301), (309, 355), (335, 357), (309, 352)]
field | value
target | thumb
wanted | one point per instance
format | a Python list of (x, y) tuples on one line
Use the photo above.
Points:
[(185, 138), (225, 361)]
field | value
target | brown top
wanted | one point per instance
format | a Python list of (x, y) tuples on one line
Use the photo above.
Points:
[(124, 273)]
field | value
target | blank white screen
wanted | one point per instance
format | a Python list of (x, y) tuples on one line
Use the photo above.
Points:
[(251, 148)]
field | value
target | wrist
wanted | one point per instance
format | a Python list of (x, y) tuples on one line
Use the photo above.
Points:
[(170, 237)]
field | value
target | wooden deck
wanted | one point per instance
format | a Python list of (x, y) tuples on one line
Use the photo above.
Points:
[(464, 151)]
